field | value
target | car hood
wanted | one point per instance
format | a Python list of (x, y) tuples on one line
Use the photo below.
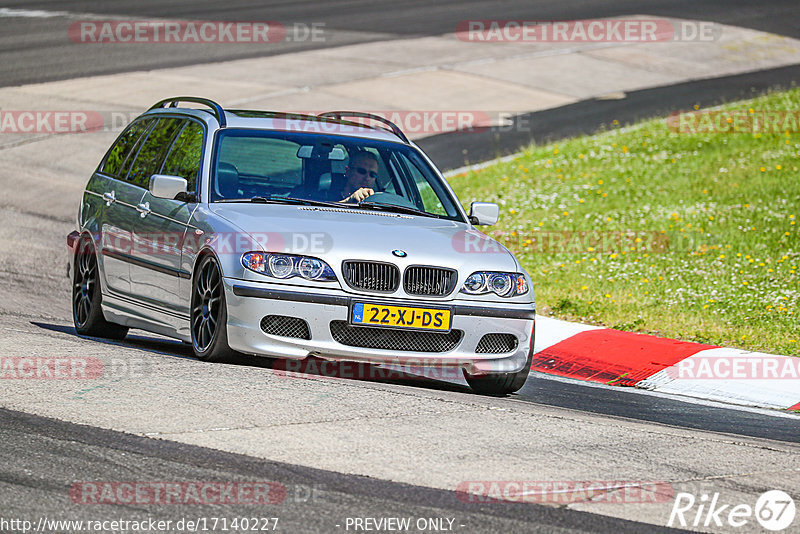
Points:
[(336, 234)]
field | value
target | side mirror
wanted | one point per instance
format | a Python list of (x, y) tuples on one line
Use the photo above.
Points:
[(484, 213), (166, 186)]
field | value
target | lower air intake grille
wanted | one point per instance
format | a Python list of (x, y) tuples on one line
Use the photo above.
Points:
[(280, 325), (496, 344), (394, 339)]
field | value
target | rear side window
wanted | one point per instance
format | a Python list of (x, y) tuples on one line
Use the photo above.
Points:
[(122, 148), (151, 153), (184, 157)]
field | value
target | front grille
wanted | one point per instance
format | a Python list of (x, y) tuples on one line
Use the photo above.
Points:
[(429, 281), (280, 325), (372, 276), (496, 344), (394, 339)]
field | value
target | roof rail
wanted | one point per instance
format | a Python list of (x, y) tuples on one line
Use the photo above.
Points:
[(393, 127), (274, 114), (219, 113)]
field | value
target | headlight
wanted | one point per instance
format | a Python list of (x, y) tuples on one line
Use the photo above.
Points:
[(475, 283), (501, 284), (311, 268), (288, 266), (280, 266)]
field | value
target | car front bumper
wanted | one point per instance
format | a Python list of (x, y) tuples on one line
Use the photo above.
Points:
[(248, 302)]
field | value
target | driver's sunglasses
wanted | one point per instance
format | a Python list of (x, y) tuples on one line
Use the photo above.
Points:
[(362, 171)]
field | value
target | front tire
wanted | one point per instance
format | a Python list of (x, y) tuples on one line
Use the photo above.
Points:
[(209, 316), (87, 312), (499, 384)]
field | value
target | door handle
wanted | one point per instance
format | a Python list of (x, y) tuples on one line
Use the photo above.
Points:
[(110, 197), (143, 209)]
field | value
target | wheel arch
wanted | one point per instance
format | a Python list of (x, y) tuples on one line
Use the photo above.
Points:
[(200, 256)]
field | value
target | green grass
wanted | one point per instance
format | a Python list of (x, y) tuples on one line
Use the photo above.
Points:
[(716, 217)]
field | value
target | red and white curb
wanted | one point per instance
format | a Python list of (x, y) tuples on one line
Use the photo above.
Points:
[(665, 365)]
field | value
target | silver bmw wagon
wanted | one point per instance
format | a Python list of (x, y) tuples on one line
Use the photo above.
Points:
[(294, 236)]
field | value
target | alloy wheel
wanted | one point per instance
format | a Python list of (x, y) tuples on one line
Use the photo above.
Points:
[(206, 306), (85, 283)]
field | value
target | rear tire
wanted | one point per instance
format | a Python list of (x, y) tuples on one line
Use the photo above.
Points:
[(209, 314), (87, 311)]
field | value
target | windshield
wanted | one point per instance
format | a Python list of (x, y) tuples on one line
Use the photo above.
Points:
[(352, 172)]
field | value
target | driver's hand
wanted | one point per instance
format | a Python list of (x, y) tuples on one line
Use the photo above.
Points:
[(360, 195)]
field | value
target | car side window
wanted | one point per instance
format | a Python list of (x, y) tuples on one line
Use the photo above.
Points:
[(151, 153), (184, 157), (122, 148)]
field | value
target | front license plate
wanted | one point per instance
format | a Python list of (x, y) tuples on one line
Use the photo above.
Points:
[(401, 316)]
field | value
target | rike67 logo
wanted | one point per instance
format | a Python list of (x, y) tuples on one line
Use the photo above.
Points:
[(774, 510)]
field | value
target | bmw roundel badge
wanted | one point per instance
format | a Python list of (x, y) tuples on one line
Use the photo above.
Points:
[(399, 253)]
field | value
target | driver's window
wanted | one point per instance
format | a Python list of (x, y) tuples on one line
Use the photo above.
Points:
[(184, 157)]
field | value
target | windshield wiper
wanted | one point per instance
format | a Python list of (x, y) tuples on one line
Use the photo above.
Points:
[(396, 208), (282, 200), (265, 200)]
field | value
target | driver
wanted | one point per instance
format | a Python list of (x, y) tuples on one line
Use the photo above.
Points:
[(360, 177)]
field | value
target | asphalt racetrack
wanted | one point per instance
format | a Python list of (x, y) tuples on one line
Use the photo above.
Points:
[(340, 449)]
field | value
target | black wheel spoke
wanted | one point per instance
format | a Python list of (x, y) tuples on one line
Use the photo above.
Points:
[(200, 289), (210, 329), (206, 276), (207, 332), (200, 335), (82, 311)]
